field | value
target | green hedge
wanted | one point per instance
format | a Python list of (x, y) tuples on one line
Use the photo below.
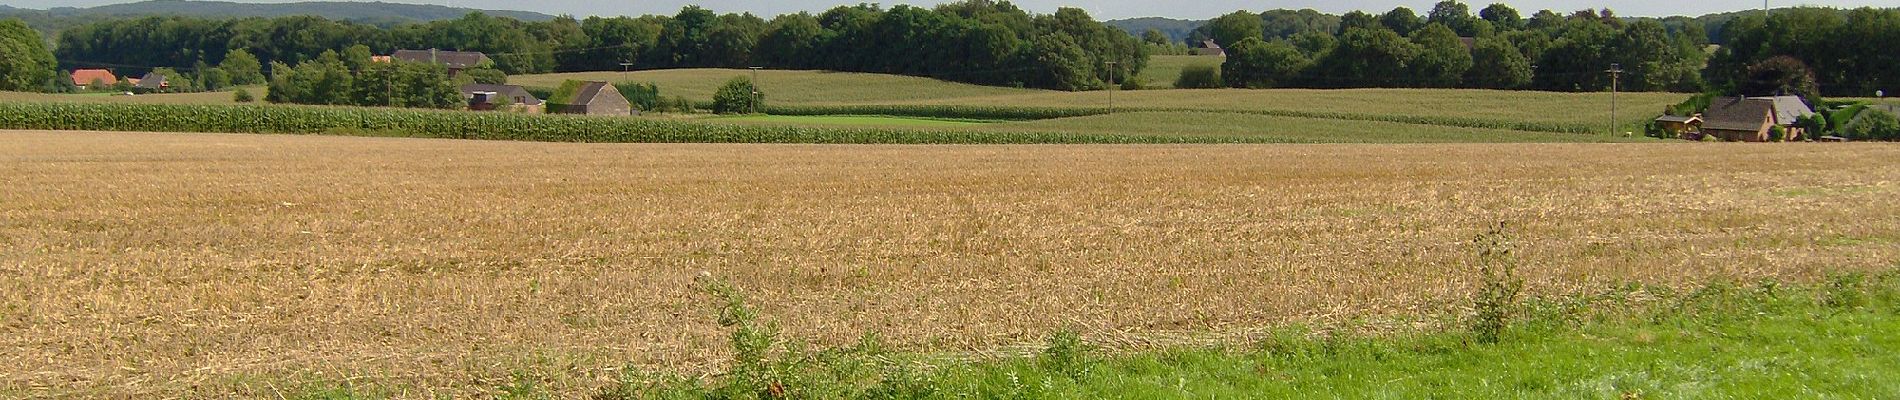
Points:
[(1002, 113), (1008, 113), (290, 119)]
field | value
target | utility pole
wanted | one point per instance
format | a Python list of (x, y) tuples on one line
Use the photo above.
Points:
[(1616, 71), (1111, 86), (753, 108)]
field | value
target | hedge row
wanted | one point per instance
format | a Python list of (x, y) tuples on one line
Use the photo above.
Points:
[(290, 119), (1038, 113), (1002, 113)]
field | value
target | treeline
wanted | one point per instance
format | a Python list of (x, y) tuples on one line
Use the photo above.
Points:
[(1497, 47), (977, 41), (1834, 53), (354, 78), (1452, 47), (25, 64)]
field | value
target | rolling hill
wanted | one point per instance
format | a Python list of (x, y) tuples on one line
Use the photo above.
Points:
[(374, 12)]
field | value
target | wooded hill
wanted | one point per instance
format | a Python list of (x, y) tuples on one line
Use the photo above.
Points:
[(50, 21)]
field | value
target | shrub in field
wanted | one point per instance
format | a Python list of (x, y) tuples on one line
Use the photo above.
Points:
[(1873, 124), (643, 96), (243, 96), (738, 96), (1199, 77), (682, 104), (1499, 286)]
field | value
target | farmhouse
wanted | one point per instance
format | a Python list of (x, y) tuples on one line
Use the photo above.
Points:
[(1749, 119), (1689, 127), (1209, 48), (485, 97), (455, 60), (590, 98), (152, 81), (83, 78)]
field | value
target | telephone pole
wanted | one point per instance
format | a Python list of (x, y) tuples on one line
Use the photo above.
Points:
[(754, 107), (1616, 71), (1111, 86)]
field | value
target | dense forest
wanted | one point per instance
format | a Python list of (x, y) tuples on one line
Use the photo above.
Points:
[(1811, 50), (51, 21), (977, 41)]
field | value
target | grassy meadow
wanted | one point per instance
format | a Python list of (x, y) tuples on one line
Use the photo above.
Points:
[(1483, 108), (212, 265)]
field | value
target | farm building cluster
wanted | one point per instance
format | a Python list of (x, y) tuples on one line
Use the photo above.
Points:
[(1743, 119), (577, 97)]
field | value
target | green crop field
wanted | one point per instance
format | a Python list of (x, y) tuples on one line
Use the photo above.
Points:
[(1162, 70), (1462, 108), (1565, 110)]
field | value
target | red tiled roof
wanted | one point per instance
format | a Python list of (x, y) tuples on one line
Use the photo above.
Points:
[(83, 77)]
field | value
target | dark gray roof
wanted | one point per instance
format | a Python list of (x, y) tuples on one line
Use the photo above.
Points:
[(588, 92), (1789, 108), (152, 80), (1737, 113), (453, 59), (510, 91)]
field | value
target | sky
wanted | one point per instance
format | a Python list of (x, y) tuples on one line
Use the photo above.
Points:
[(1100, 9)]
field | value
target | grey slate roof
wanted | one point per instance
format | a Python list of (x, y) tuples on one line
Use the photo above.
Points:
[(152, 80), (453, 59), (509, 91), (1737, 113), (588, 92), (1789, 108)]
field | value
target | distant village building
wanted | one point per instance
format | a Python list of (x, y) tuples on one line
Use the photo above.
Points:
[(485, 97), (1749, 119), (590, 98), (84, 78), (455, 60), (1209, 48)]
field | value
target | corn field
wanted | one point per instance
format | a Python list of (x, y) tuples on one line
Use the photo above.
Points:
[(353, 121)]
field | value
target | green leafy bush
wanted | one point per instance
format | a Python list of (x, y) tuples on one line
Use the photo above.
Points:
[(643, 96), (1872, 124), (738, 96), (1199, 76), (243, 96)]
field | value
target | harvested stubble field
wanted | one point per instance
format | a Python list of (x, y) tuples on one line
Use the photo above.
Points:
[(236, 265)]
